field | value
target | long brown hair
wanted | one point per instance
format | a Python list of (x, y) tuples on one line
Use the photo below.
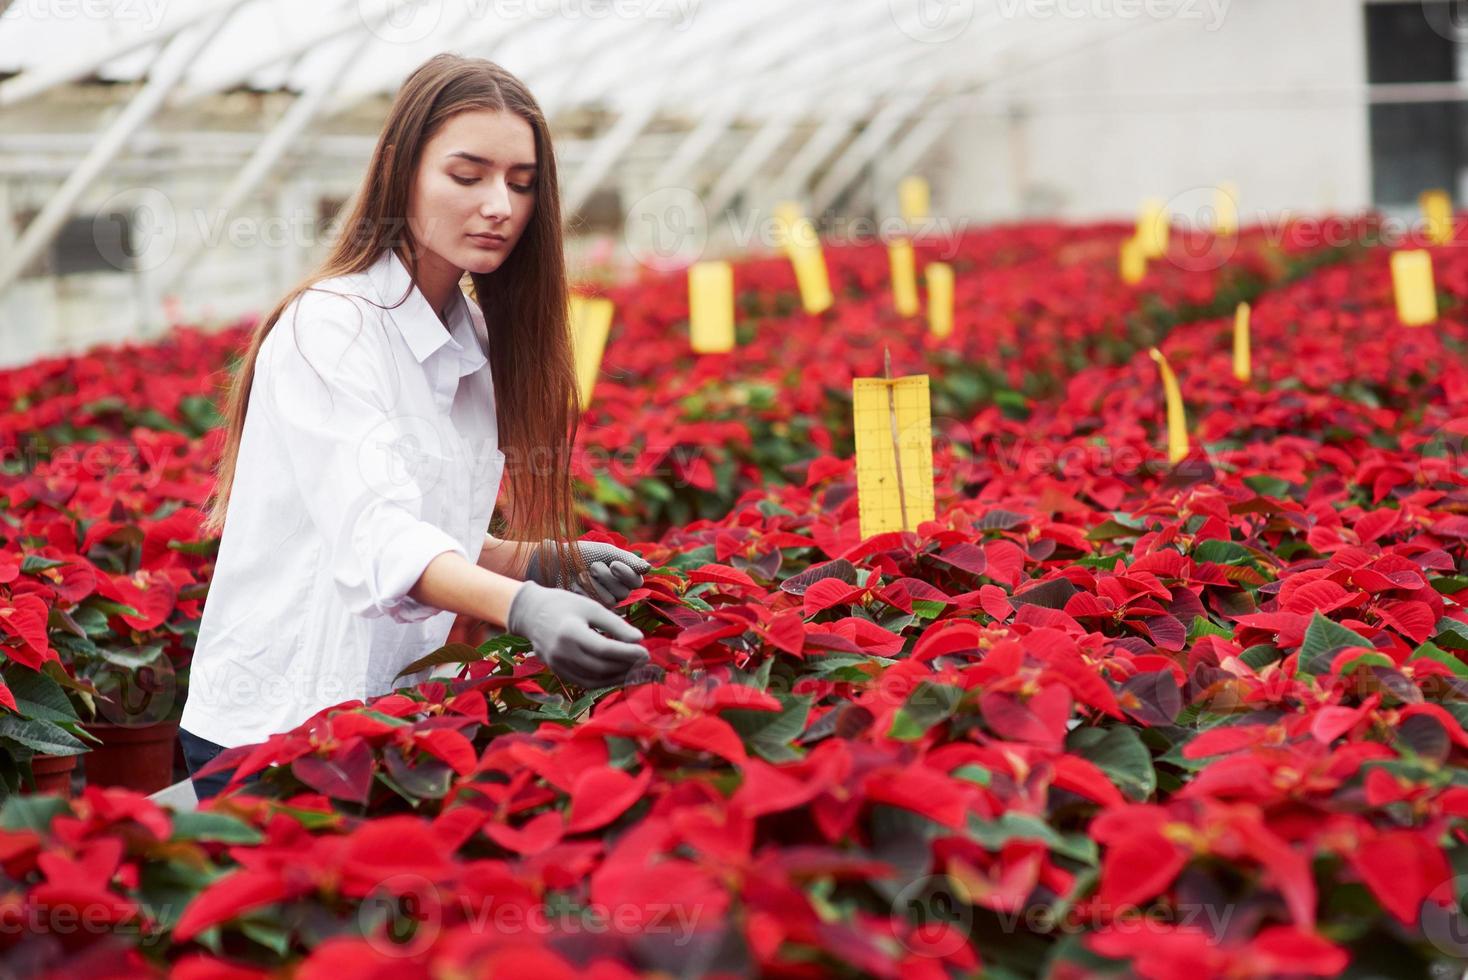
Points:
[(524, 301)]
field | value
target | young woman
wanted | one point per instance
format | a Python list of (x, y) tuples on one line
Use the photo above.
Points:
[(370, 425)]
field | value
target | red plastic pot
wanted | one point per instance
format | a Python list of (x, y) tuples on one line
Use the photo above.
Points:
[(137, 757), (53, 774)]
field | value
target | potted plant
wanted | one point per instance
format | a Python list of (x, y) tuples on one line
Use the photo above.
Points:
[(129, 695), (41, 740)]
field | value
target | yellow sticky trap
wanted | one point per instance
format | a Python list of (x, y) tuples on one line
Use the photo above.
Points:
[(1177, 421), (1412, 281), (1242, 366), (711, 307), (893, 425), (1437, 211), (904, 277), (804, 249), (1226, 210), (787, 213), (591, 322), (1154, 228), (1133, 261), (940, 298), (913, 198)]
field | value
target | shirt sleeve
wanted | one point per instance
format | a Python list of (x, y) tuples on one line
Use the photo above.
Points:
[(363, 461)]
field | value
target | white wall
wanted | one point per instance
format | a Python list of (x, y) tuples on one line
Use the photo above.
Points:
[(1270, 96)]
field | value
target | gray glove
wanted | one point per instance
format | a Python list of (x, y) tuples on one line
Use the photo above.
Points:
[(559, 625), (614, 572)]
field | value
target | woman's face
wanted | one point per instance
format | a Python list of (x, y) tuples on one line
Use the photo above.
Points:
[(476, 179)]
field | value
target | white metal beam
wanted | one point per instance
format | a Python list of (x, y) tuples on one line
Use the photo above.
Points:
[(270, 150), (172, 61), (37, 81), (759, 148), (348, 20)]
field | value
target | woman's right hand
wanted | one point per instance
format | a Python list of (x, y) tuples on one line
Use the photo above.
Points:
[(559, 625)]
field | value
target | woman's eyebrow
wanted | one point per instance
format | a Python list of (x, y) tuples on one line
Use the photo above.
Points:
[(472, 158)]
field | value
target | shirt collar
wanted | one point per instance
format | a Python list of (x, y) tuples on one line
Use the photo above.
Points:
[(418, 323)]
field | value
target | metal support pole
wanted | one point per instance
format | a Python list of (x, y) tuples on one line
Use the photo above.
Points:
[(274, 146), (39, 233)]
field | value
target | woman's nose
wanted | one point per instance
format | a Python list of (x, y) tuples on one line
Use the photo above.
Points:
[(496, 203)]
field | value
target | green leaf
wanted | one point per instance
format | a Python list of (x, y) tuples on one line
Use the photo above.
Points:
[(655, 490), (199, 412), (1221, 552), (974, 773), (1322, 640), (109, 607), (770, 733), (1448, 584), (1261, 655), (91, 619), (200, 826), (1267, 486), (1205, 627), (929, 704), (1110, 530), (32, 812), (274, 936), (1120, 754), (1366, 660), (1431, 651), (38, 696), (449, 653), (1451, 633), (40, 736), (928, 608), (35, 563), (133, 659), (994, 834)]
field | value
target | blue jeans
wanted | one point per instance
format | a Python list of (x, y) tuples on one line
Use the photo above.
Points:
[(197, 752)]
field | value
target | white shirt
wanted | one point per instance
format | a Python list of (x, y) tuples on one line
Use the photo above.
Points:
[(347, 485)]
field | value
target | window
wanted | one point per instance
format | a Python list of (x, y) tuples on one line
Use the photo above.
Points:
[(1416, 145)]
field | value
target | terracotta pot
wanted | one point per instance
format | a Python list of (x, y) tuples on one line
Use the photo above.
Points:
[(137, 757), (53, 774)]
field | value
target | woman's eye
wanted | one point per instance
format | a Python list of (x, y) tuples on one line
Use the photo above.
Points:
[(464, 180), (522, 188)]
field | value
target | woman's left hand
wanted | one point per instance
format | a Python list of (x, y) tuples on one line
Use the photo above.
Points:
[(615, 572)]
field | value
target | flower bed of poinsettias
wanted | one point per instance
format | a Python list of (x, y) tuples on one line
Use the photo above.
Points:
[(108, 456), (1105, 715)]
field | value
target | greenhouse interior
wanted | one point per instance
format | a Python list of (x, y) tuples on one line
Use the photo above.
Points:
[(882, 488)]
